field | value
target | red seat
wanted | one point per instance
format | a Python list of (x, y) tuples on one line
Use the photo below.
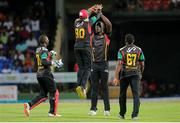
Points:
[(166, 4), (156, 4), (147, 4)]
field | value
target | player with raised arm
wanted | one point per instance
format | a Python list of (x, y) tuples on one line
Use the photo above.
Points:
[(100, 66), (82, 48)]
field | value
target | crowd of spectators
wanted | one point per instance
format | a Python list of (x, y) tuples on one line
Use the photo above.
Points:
[(150, 88), (158, 88), (147, 5), (19, 34)]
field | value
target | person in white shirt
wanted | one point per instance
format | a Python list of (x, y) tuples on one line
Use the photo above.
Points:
[(32, 42)]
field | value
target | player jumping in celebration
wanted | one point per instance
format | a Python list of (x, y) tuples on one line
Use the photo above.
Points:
[(45, 78), (82, 48)]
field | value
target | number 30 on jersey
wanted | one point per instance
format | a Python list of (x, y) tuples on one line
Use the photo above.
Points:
[(80, 33)]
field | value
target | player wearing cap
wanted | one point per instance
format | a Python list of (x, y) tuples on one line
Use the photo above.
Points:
[(82, 48)]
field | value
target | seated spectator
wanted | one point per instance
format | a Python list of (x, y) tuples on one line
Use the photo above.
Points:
[(19, 56), (17, 24), (26, 23), (3, 47), (18, 66), (31, 42), (4, 37), (29, 63), (6, 69), (21, 47), (10, 32), (8, 23), (35, 27), (23, 33)]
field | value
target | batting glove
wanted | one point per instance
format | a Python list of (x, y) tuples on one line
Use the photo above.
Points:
[(57, 63)]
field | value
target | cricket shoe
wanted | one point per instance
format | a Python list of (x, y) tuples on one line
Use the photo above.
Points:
[(54, 115), (121, 117), (106, 113), (27, 109), (135, 118), (92, 113), (81, 92)]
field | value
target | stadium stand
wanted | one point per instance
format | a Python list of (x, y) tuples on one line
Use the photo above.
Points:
[(149, 20), (20, 27), (147, 5)]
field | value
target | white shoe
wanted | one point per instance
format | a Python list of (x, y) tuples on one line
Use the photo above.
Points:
[(92, 113), (26, 109), (54, 115), (134, 118), (106, 113)]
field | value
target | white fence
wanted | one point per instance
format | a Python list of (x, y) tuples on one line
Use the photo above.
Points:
[(61, 77)]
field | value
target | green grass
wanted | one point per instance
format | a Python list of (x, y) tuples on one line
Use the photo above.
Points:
[(155, 111), (63, 95)]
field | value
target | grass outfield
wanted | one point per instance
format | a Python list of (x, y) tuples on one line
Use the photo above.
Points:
[(72, 111)]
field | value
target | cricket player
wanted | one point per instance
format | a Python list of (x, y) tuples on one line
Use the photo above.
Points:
[(82, 48), (129, 71), (100, 65), (45, 79)]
